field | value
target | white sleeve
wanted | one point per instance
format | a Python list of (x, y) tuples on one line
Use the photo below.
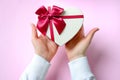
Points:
[(80, 70), (36, 70)]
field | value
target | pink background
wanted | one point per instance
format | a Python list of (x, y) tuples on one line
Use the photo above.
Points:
[(16, 50)]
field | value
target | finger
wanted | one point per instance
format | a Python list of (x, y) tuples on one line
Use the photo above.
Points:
[(91, 34), (34, 31), (81, 32), (41, 36)]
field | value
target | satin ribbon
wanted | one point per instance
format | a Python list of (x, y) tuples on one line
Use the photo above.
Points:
[(52, 16)]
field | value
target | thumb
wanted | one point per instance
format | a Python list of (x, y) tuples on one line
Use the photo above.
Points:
[(91, 34), (34, 31)]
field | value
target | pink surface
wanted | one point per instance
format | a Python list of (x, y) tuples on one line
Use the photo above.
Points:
[(16, 50)]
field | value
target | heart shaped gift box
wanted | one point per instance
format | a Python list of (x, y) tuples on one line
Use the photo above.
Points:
[(59, 24)]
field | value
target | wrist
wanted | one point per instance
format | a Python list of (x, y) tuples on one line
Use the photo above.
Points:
[(45, 56), (71, 58)]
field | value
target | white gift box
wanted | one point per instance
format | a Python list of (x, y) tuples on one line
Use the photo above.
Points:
[(71, 29)]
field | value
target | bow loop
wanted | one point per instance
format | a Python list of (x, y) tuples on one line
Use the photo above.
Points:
[(42, 11), (56, 11)]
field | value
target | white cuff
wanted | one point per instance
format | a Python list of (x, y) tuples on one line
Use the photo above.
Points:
[(36, 70), (80, 69)]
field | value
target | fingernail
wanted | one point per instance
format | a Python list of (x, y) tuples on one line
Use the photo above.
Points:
[(98, 29)]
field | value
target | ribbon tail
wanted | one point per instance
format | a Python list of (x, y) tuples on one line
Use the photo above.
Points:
[(42, 25), (59, 24)]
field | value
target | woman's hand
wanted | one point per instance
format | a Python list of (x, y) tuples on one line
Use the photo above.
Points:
[(43, 46), (77, 47)]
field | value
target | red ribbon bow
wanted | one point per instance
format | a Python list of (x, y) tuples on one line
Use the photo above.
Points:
[(47, 17)]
